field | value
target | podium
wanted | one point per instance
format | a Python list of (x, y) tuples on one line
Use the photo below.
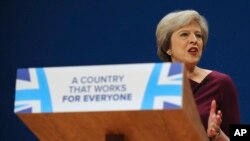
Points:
[(84, 114)]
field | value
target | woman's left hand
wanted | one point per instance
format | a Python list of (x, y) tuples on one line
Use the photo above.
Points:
[(214, 121)]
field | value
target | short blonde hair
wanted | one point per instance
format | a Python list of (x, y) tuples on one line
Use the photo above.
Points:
[(172, 22)]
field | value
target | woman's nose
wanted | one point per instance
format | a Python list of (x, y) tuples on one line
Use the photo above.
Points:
[(193, 38)]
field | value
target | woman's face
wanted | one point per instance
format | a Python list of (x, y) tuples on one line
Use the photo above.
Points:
[(186, 44)]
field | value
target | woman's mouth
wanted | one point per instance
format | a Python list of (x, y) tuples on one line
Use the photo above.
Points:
[(193, 49)]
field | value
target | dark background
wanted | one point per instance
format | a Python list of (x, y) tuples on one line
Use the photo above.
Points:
[(96, 32)]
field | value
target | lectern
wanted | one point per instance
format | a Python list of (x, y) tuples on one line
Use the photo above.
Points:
[(122, 102)]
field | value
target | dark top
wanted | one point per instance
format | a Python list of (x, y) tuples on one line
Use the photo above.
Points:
[(220, 87)]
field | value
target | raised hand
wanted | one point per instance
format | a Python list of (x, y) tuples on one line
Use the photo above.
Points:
[(214, 122)]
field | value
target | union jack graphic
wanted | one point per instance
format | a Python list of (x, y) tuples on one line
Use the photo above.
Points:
[(164, 90), (32, 91)]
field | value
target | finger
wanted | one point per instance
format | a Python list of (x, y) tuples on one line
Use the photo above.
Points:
[(212, 132), (219, 117), (215, 126), (213, 107), (219, 113), (218, 121)]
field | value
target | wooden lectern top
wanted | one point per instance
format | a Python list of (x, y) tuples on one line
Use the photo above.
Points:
[(149, 125)]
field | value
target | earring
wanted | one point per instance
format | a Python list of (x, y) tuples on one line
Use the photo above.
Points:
[(169, 52)]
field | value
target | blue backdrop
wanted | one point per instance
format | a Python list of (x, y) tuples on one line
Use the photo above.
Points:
[(92, 32)]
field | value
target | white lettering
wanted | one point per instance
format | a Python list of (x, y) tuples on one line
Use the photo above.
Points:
[(237, 132), (243, 131), (240, 132)]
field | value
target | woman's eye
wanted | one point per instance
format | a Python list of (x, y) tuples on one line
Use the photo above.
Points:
[(198, 35), (184, 34)]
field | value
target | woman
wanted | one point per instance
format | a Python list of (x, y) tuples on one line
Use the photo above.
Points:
[(181, 37)]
